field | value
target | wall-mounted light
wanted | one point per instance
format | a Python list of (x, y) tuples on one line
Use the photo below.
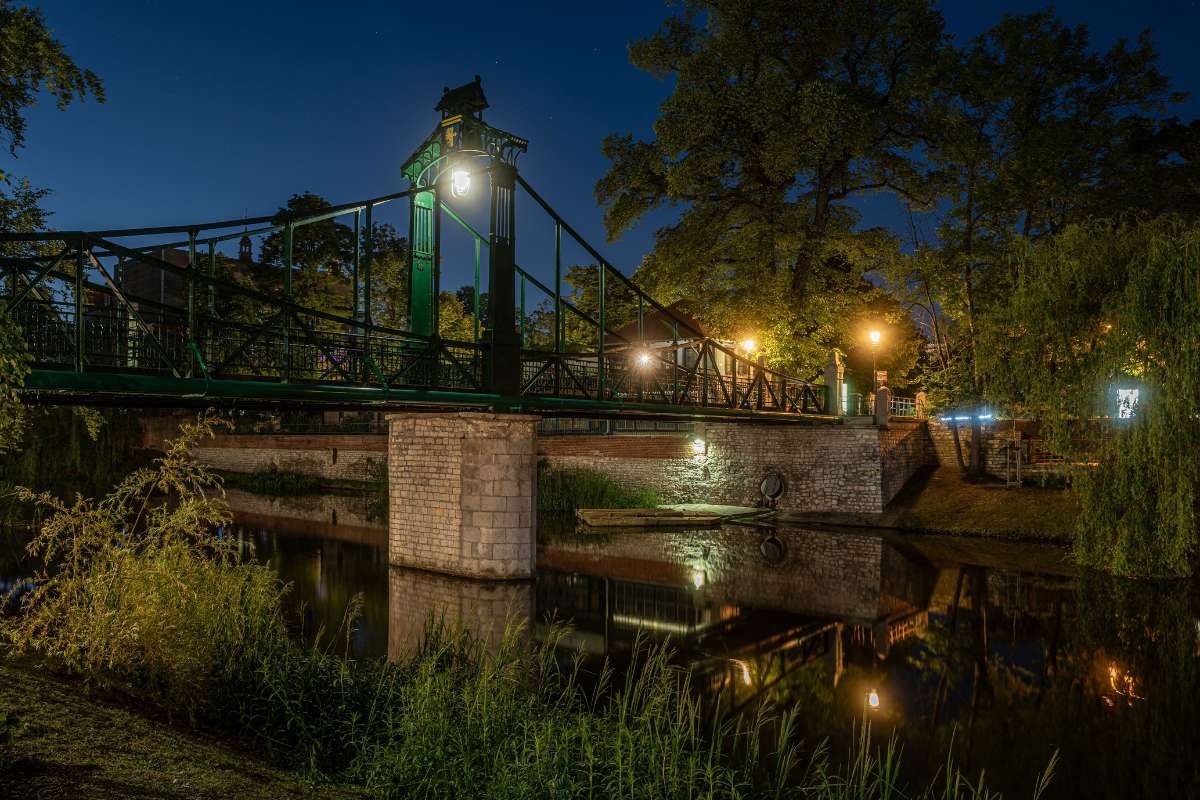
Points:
[(460, 182)]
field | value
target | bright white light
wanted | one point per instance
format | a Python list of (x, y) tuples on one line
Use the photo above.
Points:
[(1127, 400), (460, 182), (748, 345), (961, 419), (985, 416), (875, 337), (697, 579), (644, 359), (873, 699), (698, 447)]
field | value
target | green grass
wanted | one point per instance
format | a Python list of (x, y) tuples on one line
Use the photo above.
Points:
[(69, 743), (568, 489), (948, 504), (273, 482)]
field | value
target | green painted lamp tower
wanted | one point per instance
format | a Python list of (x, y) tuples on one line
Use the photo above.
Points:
[(461, 149)]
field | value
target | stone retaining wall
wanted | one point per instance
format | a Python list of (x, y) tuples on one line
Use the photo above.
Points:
[(826, 468), (354, 457), (999, 448)]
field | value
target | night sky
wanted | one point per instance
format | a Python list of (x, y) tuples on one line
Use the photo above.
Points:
[(217, 109)]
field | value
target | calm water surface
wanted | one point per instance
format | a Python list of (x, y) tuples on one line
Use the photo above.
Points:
[(999, 648)]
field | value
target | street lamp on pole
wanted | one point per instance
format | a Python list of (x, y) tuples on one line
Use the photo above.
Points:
[(874, 336)]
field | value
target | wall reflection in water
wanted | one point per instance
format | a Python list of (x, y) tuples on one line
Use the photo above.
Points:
[(997, 651)]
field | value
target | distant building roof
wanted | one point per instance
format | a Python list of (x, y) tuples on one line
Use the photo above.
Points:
[(660, 327)]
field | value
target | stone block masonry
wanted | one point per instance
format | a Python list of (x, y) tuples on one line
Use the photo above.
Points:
[(341, 457), (462, 493), (826, 468)]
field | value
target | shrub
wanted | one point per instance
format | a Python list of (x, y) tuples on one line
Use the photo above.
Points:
[(137, 588), (569, 489)]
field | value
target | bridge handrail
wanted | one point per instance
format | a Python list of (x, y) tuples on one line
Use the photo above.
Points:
[(604, 264)]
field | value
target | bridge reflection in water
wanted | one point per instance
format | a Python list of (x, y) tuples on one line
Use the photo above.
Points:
[(744, 607)]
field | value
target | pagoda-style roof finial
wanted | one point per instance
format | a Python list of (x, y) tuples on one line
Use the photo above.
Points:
[(468, 100)]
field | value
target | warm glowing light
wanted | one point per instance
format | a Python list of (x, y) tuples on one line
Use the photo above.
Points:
[(873, 699), (698, 447), (460, 182), (746, 678), (698, 579), (1122, 682), (748, 345), (644, 359), (875, 335)]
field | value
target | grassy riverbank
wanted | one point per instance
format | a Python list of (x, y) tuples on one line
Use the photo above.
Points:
[(66, 742), (943, 502), (940, 501)]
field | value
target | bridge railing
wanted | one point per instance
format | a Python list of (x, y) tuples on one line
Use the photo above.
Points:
[(80, 313)]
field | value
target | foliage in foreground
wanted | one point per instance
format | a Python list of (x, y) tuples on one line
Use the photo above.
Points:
[(1100, 306), (569, 489), (139, 593)]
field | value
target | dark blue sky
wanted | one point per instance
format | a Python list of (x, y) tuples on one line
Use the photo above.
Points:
[(219, 108)]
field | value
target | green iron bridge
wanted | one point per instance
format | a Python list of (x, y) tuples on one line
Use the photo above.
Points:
[(210, 336)]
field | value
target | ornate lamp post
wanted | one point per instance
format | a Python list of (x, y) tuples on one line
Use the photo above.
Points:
[(874, 336), (461, 147)]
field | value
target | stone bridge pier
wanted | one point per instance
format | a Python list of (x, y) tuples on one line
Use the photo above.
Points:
[(462, 493)]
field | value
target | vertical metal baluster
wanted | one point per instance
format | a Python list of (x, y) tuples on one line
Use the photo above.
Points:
[(522, 330), (642, 343), (558, 320), (79, 338), (475, 302), (354, 288), (601, 370), (286, 366), (368, 247), (191, 301)]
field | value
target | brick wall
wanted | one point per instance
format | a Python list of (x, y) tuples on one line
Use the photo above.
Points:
[(484, 608), (825, 467), (998, 450), (904, 448), (462, 493), (354, 457)]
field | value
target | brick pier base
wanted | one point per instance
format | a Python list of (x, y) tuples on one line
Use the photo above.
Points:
[(461, 492)]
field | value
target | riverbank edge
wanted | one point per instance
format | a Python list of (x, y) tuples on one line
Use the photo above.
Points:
[(941, 502), (64, 738)]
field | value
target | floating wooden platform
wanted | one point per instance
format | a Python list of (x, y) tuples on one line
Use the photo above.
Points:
[(644, 517)]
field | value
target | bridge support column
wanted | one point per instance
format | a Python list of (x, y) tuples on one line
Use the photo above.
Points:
[(462, 493)]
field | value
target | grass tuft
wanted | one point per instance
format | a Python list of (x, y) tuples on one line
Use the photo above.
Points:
[(568, 489)]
